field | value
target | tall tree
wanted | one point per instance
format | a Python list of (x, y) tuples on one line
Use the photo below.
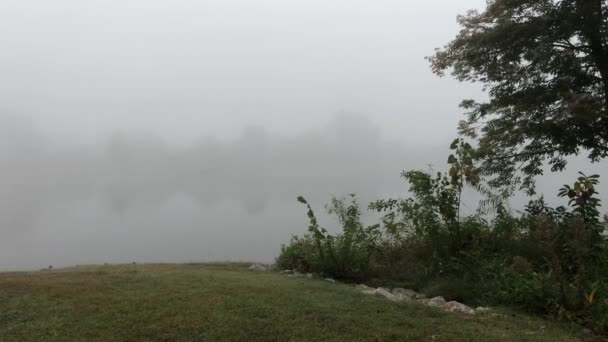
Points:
[(544, 64)]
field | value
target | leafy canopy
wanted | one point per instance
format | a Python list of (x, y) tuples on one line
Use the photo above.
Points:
[(544, 64)]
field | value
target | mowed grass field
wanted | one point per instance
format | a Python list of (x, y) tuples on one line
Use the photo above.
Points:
[(226, 302)]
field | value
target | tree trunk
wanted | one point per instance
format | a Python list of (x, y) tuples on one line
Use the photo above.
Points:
[(592, 16)]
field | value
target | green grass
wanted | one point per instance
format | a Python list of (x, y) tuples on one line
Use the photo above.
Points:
[(226, 302)]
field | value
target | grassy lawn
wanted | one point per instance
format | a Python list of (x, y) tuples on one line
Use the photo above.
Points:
[(226, 302)]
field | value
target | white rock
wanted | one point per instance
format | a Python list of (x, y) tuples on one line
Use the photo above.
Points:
[(387, 294), (481, 309), (424, 301), (454, 306), (436, 302), (366, 289), (287, 271), (405, 294), (420, 296), (309, 275), (330, 280), (258, 267), (296, 274)]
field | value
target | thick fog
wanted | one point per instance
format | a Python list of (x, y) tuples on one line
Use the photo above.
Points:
[(183, 131)]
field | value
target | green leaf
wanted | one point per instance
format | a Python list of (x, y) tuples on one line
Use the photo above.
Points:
[(454, 144), (452, 159), (453, 172)]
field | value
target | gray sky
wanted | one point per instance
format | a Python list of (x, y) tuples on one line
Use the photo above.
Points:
[(182, 69), (147, 130)]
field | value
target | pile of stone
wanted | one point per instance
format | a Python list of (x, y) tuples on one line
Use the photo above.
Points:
[(394, 295), (296, 274), (259, 268), (406, 295)]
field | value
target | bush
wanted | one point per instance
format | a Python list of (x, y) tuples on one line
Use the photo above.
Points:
[(550, 261), (299, 254), (346, 256)]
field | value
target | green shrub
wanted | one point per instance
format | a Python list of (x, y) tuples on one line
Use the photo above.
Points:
[(550, 261), (346, 256), (452, 289), (299, 254)]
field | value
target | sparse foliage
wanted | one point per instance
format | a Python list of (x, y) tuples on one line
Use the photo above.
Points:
[(347, 255), (546, 260)]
